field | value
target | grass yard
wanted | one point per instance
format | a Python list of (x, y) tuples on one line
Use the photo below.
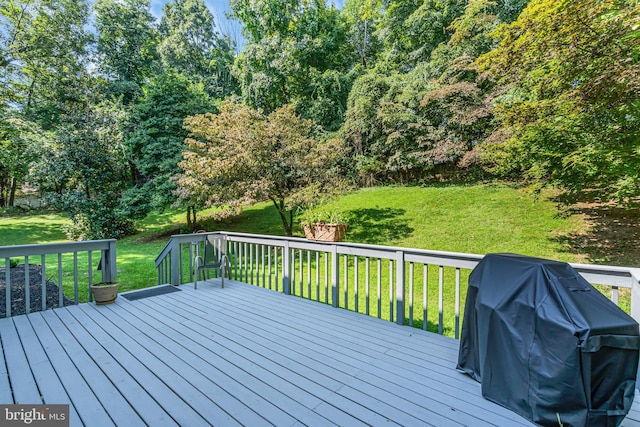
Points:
[(459, 218)]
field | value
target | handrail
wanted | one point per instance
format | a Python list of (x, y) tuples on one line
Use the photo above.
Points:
[(107, 266), (265, 258)]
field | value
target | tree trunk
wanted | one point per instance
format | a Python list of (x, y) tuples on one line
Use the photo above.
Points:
[(288, 225), (191, 216), (12, 193)]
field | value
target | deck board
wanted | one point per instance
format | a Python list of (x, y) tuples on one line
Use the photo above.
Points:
[(17, 365), (433, 395), (80, 394), (41, 367), (241, 355)]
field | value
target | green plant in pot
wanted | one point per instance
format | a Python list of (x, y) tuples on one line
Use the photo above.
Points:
[(323, 224), (105, 292)]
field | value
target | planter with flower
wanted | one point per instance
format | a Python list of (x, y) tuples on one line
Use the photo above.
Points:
[(324, 225)]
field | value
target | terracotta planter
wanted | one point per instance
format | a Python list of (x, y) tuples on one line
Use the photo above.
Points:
[(325, 232), (104, 293)]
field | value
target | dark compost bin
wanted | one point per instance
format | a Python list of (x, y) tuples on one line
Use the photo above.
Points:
[(546, 344)]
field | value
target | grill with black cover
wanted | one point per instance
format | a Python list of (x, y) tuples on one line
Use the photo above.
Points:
[(546, 344)]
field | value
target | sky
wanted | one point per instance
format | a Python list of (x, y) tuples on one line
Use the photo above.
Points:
[(219, 9)]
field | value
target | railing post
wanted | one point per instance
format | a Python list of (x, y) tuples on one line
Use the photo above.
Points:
[(400, 288), (109, 268), (286, 269), (335, 276), (175, 262)]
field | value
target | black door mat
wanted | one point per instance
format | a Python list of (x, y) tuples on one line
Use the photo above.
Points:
[(151, 292)]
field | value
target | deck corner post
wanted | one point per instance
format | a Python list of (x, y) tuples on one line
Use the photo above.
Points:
[(175, 262), (286, 269), (400, 287), (109, 268), (335, 276)]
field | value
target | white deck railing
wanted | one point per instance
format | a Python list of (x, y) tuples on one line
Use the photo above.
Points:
[(403, 285), (71, 262)]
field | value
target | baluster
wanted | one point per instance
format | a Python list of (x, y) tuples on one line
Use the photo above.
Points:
[(235, 260), (379, 288), (43, 271), (391, 290), (75, 276), (277, 271), (326, 277), (27, 286), (300, 271), (309, 274), (269, 249), (457, 308), (89, 273), (293, 271), (614, 295), (60, 291), (425, 296), (264, 271), (440, 298), (317, 276), (368, 283), (355, 284), (411, 294), (346, 282)]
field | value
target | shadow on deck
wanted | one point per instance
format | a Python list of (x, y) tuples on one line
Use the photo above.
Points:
[(241, 355)]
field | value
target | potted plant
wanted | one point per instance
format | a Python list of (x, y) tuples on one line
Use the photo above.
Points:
[(105, 292), (324, 225)]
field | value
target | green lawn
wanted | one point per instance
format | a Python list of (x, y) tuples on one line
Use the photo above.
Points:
[(474, 219)]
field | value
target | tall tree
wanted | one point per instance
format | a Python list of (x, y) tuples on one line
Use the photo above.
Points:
[(239, 156), (363, 17), (411, 30), (297, 53), (42, 48), (86, 174), (156, 143), (191, 44), (569, 100), (127, 45)]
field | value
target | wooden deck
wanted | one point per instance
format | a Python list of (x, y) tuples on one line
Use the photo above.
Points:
[(241, 355)]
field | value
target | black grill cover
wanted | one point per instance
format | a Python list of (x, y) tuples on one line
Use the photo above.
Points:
[(546, 344)]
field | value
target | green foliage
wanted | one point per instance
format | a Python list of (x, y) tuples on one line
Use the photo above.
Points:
[(127, 45), (569, 99), (297, 53), (156, 141), (240, 156), (85, 171), (363, 17), (192, 45), (411, 30), (323, 215)]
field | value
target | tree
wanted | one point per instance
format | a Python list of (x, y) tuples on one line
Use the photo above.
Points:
[(127, 45), (411, 30), (85, 174), (191, 44), (568, 103), (240, 156), (42, 48), (20, 143), (297, 53), (363, 17), (156, 142)]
